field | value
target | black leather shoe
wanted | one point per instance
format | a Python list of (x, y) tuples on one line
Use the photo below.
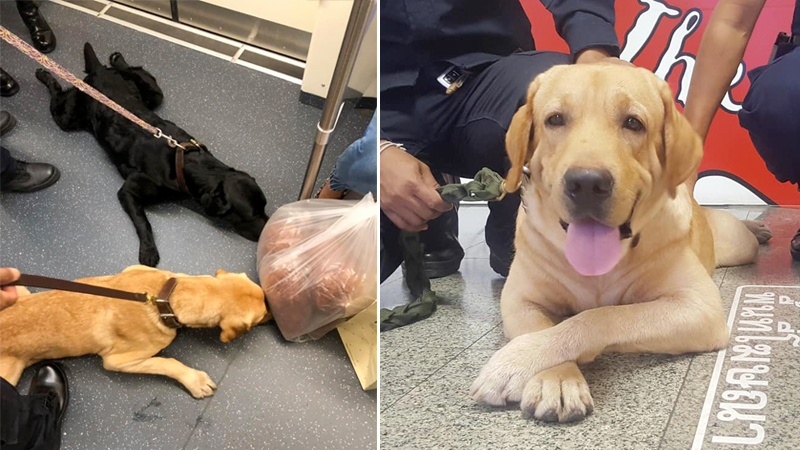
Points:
[(443, 252), (29, 177), (51, 381), (8, 86), (7, 122), (795, 247), (42, 36)]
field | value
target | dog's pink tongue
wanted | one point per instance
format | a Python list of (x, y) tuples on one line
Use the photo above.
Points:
[(592, 248)]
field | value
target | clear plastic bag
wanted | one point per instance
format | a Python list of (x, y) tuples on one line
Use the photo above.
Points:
[(317, 263)]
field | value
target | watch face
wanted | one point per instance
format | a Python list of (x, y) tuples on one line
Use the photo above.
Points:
[(449, 77), (452, 76)]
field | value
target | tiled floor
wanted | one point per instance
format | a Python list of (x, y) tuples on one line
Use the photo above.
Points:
[(271, 394), (641, 401)]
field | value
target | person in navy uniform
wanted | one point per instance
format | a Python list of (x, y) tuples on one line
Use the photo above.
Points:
[(453, 73), (771, 109), (32, 421)]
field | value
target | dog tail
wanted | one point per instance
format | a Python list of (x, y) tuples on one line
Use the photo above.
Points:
[(92, 63)]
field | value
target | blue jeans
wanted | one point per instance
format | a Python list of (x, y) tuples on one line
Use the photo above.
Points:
[(357, 167)]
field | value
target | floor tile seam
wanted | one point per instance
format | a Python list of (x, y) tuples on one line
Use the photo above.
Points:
[(683, 381), (675, 403), (211, 400), (475, 245), (416, 386)]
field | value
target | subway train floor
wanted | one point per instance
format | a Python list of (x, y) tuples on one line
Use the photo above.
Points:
[(271, 394), (641, 402)]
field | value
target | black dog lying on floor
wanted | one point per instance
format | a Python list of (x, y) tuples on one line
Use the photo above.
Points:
[(148, 164)]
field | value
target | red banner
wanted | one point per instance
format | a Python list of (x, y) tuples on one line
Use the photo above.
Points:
[(663, 36)]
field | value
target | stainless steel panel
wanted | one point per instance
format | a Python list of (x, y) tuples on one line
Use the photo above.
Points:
[(257, 32), (88, 4), (160, 7), (143, 20), (272, 64)]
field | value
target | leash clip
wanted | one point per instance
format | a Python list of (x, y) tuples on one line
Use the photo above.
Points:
[(170, 140)]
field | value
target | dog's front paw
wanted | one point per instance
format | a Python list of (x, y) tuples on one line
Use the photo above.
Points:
[(43, 76), (557, 394), (504, 377), (116, 59), (199, 384), (148, 255)]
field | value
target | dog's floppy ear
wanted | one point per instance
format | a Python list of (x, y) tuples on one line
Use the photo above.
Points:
[(221, 272), (682, 148), (232, 328), (90, 58), (214, 201), (519, 138)]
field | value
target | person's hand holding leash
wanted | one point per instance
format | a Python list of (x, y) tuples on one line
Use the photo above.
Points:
[(8, 294), (408, 191)]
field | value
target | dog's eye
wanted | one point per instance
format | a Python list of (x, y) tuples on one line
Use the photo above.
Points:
[(633, 124), (556, 120)]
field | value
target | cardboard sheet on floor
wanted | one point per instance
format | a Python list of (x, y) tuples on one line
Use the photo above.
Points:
[(360, 338), (752, 398)]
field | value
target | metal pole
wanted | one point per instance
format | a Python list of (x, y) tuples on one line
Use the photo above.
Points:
[(353, 35)]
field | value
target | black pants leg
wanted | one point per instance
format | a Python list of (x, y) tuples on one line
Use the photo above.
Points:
[(7, 163), (26, 423), (470, 127)]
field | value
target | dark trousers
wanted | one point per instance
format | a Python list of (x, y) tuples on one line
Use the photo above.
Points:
[(771, 114), (25, 423), (7, 162), (463, 132)]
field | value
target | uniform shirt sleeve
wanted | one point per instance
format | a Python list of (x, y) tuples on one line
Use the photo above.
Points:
[(585, 24)]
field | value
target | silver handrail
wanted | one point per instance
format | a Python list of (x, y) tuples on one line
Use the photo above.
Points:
[(357, 26)]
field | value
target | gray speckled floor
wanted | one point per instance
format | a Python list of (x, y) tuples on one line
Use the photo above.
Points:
[(641, 401), (271, 394)]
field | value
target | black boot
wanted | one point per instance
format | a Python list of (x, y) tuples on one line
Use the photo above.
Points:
[(42, 36), (443, 252), (795, 246), (19, 176), (8, 86), (7, 122)]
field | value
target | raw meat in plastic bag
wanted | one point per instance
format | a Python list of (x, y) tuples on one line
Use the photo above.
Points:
[(317, 263)]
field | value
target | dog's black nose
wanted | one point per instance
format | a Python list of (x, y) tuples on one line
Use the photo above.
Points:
[(588, 188)]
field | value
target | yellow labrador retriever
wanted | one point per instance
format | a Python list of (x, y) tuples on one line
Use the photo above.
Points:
[(612, 252), (127, 334)]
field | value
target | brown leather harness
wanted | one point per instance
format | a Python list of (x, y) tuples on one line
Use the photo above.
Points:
[(180, 149), (165, 311)]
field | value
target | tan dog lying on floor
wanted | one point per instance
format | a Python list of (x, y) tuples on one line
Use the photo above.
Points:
[(612, 252), (126, 334)]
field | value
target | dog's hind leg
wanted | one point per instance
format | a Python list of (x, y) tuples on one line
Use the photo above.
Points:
[(145, 81), (11, 368), (197, 382), (63, 104), (136, 191), (735, 241), (90, 59)]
